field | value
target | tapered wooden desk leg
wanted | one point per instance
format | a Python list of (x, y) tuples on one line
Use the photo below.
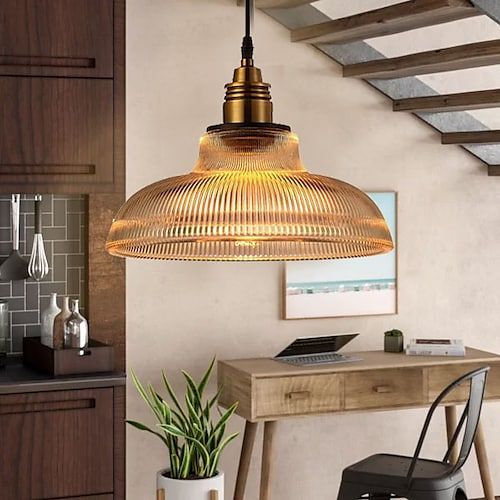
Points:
[(451, 425), (484, 466), (245, 459), (267, 460)]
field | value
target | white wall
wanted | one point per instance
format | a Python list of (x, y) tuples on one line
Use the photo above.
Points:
[(180, 54)]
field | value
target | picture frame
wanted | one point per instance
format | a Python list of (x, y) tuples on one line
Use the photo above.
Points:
[(366, 286)]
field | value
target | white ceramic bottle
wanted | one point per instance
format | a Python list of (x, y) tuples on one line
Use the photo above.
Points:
[(47, 321)]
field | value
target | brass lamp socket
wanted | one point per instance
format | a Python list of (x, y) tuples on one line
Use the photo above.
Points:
[(248, 98)]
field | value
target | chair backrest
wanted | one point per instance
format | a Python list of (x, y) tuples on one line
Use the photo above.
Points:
[(469, 418)]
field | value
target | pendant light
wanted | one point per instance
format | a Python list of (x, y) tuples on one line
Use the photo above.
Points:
[(249, 198)]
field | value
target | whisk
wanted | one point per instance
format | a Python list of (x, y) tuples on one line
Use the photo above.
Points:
[(38, 266)]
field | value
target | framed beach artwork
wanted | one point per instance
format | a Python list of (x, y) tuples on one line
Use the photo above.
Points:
[(346, 287)]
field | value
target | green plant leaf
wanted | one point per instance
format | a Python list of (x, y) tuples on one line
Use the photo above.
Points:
[(210, 404), (172, 395), (175, 465), (193, 391), (144, 394), (216, 437), (179, 421), (192, 413), (206, 377), (226, 416), (215, 455), (145, 428), (158, 402), (214, 400), (173, 430), (205, 456), (199, 446), (167, 413), (187, 456)]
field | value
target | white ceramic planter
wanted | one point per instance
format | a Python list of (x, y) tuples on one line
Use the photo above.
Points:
[(197, 489)]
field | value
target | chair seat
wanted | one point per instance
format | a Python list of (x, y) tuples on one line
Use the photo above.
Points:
[(391, 470)]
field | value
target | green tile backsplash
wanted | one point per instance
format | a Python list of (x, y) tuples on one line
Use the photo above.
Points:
[(64, 232)]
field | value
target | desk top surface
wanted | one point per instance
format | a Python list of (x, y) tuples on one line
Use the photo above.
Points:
[(370, 360)]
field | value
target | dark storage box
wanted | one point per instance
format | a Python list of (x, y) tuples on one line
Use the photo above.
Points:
[(97, 357)]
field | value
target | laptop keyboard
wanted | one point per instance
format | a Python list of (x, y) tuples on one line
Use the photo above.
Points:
[(318, 359)]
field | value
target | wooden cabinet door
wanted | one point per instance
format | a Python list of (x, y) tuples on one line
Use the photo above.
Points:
[(56, 444), (56, 135), (56, 38)]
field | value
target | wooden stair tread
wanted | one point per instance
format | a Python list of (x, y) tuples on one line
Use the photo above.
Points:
[(420, 13), (271, 4), (386, 21), (494, 170), (463, 101), (473, 137), (472, 55)]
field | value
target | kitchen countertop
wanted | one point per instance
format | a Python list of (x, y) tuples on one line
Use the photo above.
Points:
[(17, 378)]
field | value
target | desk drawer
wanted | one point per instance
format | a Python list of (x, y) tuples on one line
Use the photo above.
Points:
[(384, 388), (297, 395), (442, 376)]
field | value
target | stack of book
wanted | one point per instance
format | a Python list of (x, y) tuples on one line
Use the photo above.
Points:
[(435, 347)]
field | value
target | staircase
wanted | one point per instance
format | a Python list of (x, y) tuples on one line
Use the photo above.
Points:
[(343, 40)]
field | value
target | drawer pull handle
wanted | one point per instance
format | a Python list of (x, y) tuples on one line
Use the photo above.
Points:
[(297, 395), (46, 169), (48, 61), (383, 389), (47, 406)]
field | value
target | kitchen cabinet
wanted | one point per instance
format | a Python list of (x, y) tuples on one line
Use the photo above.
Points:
[(62, 131), (57, 38), (56, 131), (62, 88), (62, 444)]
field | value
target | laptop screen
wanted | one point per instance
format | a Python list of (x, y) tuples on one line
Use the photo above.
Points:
[(316, 345)]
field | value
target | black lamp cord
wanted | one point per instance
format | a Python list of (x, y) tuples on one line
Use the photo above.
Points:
[(247, 47)]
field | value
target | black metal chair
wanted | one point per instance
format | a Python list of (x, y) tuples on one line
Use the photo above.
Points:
[(393, 476)]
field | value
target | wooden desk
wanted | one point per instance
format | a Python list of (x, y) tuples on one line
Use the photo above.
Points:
[(269, 391)]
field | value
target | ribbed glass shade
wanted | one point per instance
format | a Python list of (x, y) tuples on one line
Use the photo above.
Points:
[(249, 198)]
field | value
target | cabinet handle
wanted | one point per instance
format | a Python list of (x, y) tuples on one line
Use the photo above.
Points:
[(46, 169), (294, 396), (48, 61), (383, 389), (46, 406)]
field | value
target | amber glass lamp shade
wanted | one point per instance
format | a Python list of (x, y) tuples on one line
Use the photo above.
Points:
[(249, 198)]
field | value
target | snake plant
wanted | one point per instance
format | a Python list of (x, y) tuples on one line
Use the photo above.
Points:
[(193, 438)]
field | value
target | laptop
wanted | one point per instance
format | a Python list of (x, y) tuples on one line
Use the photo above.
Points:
[(306, 351)]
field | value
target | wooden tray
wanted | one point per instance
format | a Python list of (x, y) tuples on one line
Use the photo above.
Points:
[(96, 358)]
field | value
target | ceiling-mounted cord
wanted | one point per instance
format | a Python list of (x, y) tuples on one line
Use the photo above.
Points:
[(247, 47)]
